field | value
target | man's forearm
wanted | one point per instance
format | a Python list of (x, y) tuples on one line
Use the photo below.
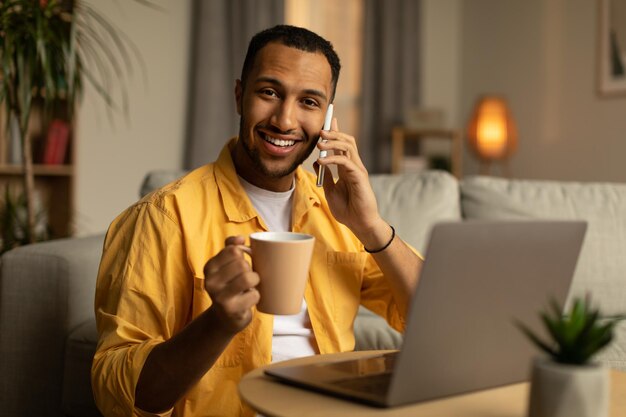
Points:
[(402, 267), (398, 263), (175, 365)]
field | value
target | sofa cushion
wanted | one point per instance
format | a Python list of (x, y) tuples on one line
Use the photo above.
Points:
[(371, 332), (79, 350), (158, 178), (601, 269), (412, 203)]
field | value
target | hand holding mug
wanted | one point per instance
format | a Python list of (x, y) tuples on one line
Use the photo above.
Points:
[(231, 284)]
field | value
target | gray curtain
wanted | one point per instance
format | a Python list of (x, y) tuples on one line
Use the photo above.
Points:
[(220, 35), (391, 60)]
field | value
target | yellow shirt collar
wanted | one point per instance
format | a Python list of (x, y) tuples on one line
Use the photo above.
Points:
[(239, 209)]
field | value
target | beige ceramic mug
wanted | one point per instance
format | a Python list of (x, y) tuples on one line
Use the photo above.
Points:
[(282, 260)]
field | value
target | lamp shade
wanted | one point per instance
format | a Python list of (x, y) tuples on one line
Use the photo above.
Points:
[(491, 132)]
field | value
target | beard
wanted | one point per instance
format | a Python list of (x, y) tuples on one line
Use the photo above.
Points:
[(253, 154)]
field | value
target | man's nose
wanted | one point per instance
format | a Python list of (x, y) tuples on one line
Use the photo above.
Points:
[(284, 117)]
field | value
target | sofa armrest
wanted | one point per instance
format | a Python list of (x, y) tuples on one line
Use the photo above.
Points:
[(46, 290)]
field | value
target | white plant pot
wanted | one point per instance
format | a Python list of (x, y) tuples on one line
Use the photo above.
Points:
[(559, 390)]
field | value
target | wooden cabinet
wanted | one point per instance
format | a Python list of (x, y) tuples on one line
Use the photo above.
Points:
[(54, 178), (401, 135)]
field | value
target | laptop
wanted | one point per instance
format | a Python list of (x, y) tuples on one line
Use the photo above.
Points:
[(478, 278)]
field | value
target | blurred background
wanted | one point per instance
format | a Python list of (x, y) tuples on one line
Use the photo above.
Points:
[(415, 64)]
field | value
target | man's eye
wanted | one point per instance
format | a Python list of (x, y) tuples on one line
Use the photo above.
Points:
[(270, 93), (309, 102)]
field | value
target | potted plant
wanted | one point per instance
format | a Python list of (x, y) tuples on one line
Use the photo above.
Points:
[(48, 48), (568, 382)]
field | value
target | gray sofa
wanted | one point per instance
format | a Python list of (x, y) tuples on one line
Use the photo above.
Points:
[(47, 331)]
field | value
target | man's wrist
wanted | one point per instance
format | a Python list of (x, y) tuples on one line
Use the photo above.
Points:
[(214, 323), (385, 246), (377, 237)]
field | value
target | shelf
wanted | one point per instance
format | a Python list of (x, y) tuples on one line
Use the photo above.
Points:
[(401, 134), (54, 184), (39, 170)]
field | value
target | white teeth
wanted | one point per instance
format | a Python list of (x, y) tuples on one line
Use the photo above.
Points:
[(279, 142)]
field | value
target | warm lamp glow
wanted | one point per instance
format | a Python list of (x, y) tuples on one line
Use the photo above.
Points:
[(491, 131)]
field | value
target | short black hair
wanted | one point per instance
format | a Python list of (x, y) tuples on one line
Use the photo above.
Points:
[(294, 37)]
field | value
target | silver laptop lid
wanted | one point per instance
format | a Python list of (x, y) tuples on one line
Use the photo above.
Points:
[(478, 278)]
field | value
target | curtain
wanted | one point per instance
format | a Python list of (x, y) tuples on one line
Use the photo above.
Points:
[(220, 35), (391, 60)]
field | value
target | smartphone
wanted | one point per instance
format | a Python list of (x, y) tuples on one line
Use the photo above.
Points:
[(327, 121)]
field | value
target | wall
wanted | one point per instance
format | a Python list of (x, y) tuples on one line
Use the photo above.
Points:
[(440, 42), (541, 55), (112, 158), (441, 56)]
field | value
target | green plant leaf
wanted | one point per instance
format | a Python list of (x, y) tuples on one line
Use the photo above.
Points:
[(535, 339), (576, 336)]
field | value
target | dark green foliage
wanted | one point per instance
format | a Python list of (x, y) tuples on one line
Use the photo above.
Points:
[(574, 337), (48, 47), (13, 223)]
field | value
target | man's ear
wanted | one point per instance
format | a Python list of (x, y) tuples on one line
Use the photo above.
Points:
[(238, 95)]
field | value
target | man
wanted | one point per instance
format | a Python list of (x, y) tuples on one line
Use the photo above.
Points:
[(175, 299)]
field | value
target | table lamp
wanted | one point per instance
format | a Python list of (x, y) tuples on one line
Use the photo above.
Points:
[(491, 133)]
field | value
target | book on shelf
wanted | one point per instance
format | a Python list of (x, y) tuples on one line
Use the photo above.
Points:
[(56, 142)]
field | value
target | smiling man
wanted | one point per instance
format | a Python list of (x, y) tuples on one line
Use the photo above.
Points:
[(175, 298)]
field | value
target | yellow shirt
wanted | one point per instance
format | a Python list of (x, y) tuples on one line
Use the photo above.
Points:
[(150, 285)]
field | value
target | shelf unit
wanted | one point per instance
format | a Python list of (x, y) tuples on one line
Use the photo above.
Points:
[(401, 134), (54, 183)]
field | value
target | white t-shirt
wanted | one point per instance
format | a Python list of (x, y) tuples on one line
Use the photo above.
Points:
[(293, 335)]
